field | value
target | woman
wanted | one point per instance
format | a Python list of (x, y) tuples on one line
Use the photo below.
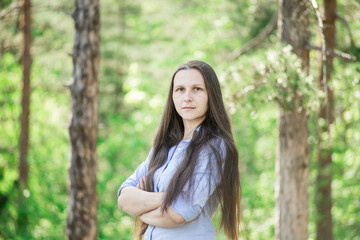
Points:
[(192, 167)]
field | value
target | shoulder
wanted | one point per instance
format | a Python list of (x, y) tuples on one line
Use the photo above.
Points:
[(211, 157), (214, 149), (218, 146)]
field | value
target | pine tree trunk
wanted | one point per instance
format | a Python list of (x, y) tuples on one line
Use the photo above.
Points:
[(25, 24), (82, 222), (324, 151), (292, 164), (292, 170), (26, 60)]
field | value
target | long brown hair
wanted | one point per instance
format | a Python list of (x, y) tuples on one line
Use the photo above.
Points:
[(215, 126)]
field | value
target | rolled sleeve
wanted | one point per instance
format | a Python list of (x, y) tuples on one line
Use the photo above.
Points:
[(141, 171), (186, 209)]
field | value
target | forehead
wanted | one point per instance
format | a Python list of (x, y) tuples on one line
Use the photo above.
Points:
[(188, 77)]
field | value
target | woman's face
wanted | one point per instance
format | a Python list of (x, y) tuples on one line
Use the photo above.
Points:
[(190, 96)]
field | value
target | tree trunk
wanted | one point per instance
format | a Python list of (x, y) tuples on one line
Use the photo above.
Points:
[(292, 170), (324, 151), (292, 163), (25, 24), (82, 222)]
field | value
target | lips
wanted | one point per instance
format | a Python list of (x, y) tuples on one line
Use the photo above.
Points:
[(188, 108)]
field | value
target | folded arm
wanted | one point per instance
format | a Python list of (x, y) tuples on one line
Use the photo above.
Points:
[(135, 201), (168, 219)]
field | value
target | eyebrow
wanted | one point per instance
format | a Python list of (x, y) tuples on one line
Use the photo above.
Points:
[(194, 85)]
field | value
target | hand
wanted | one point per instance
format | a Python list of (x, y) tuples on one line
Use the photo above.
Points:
[(142, 183)]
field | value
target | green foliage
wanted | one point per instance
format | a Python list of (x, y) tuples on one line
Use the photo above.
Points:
[(4, 3), (46, 194), (278, 77), (9, 130), (346, 139)]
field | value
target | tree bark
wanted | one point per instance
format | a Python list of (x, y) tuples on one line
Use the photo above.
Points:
[(324, 148), (292, 163), (82, 222), (292, 170), (25, 24)]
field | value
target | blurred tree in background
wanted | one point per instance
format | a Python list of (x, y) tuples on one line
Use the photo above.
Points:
[(292, 162), (83, 129), (26, 61), (142, 42), (326, 114)]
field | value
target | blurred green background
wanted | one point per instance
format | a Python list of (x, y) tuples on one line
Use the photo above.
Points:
[(142, 42)]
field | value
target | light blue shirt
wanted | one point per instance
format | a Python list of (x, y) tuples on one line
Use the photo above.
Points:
[(200, 207)]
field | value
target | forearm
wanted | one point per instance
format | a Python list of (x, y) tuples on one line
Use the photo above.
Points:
[(135, 201), (169, 219)]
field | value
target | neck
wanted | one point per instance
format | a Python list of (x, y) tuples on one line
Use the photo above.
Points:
[(188, 135), (189, 130)]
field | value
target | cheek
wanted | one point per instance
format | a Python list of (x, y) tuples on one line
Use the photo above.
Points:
[(206, 103), (175, 101)]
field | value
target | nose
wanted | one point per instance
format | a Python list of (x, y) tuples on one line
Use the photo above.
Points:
[(188, 96)]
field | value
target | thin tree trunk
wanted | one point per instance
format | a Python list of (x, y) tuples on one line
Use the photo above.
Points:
[(324, 151), (292, 164), (82, 222), (25, 26), (26, 60)]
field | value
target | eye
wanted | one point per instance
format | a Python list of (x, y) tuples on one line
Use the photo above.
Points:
[(180, 89), (197, 89)]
